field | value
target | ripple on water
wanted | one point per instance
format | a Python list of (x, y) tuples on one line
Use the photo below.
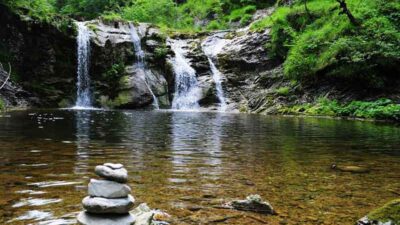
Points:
[(45, 184), (35, 215), (35, 202), (31, 192)]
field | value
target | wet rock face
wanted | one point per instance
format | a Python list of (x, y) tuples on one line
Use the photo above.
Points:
[(42, 56), (13, 94), (117, 81)]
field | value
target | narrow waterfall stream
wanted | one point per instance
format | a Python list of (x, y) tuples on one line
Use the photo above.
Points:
[(83, 94), (211, 47), (187, 91), (140, 60)]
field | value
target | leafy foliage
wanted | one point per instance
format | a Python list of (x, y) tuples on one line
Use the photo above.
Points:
[(323, 42), (384, 109)]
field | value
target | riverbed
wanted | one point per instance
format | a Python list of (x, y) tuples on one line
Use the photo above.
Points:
[(189, 163)]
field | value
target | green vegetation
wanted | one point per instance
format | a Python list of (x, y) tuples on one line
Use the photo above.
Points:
[(2, 105), (283, 91), (383, 109), (190, 15), (321, 42), (390, 212)]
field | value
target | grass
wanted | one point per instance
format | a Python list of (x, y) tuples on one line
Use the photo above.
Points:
[(382, 109)]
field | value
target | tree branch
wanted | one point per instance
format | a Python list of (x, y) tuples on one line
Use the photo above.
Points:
[(345, 10), (8, 77)]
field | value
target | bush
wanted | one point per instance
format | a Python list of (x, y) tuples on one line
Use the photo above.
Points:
[(383, 109), (324, 43)]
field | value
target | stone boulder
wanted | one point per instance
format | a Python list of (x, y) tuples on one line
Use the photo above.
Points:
[(253, 203), (99, 205), (91, 219), (108, 189), (119, 175)]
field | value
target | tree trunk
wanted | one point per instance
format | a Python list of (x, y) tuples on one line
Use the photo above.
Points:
[(346, 11)]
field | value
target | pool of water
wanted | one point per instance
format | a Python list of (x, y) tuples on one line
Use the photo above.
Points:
[(189, 163)]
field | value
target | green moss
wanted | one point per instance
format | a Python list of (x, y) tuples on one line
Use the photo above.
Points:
[(388, 212), (283, 91), (122, 98), (92, 27), (64, 103), (161, 52)]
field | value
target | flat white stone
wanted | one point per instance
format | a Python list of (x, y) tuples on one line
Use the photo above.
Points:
[(95, 219), (100, 205), (114, 165), (108, 189), (118, 175)]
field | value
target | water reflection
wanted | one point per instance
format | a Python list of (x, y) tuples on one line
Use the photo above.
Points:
[(176, 158), (83, 123)]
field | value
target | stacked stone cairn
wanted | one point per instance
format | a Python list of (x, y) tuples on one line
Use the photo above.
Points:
[(109, 200)]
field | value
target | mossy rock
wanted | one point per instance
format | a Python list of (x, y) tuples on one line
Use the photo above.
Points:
[(388, 214)]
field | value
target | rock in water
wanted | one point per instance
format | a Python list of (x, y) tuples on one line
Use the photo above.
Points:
[(351, 169), (99, 205), (252, 203), (389, 214), (94, 219), (108, 189), (118, 175)]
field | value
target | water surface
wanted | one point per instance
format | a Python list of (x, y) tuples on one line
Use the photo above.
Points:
[(188, 163)]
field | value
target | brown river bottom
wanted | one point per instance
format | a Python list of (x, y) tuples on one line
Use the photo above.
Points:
[(188, 164)]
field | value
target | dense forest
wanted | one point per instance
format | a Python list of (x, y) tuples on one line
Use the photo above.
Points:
[(352, 43)]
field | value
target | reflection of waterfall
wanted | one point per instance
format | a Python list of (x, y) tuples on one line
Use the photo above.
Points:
[(83, 80), (187, 91), (82, 119), (194, 140), (211, 47), (140, 64)]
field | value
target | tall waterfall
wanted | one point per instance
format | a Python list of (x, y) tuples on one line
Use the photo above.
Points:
[(140, 64), (187, 91), (83, 82), (211, 47)]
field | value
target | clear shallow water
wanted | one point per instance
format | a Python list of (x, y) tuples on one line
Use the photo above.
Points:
[(187, 163)]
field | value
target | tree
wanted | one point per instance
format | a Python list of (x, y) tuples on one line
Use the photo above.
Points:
[(345, 10)]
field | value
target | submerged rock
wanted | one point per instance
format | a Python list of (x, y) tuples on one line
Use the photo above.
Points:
[(146, 216), (118, 175), (100, 205), (351, 169), (90, 219), (108, 189), (389, 214), (253, 203)]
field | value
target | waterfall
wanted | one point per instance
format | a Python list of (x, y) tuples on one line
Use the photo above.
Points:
[(83, 81), (187, 92), (140, 64), (211, 47)]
